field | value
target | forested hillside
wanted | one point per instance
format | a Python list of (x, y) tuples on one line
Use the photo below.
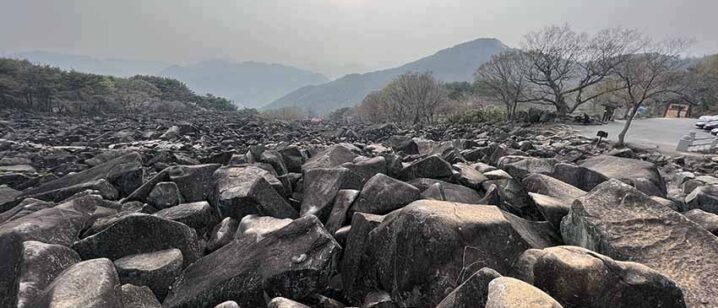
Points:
[(24, 85)]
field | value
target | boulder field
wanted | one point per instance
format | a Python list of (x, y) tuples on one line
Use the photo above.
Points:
[(222, 210)]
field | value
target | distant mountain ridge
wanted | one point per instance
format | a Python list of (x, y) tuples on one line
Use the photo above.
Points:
[(91, 65), (457, 63), (248, 84)]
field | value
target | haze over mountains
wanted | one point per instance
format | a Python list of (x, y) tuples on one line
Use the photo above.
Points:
[(457, 63), (270, 86), (247, 84)]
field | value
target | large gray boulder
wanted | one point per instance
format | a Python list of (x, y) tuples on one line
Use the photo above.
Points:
[(418, 253), (366, 168), (198, 215), (578, 277), (124, 173), (253, 228), (342, 203), (41, 264), (521, 166), (640, 174), (703, 198), (321, 186), (61, 224), (507, 292), (356, 277), (292, 262), (472, 292), (164, 195), (331, 157), (383, 194), (444, 191), (194, 182), (140, 233), (244, 190), (139, 297), (157, 270), (580, 177), (708, 221), (621, 222), (91, 283), (552, 197), (222, 234), (433, 167)]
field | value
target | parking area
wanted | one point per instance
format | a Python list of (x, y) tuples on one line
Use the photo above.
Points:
[(658, 133)]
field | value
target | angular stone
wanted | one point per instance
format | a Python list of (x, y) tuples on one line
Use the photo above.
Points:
[(703, 198), (378, 299), (124, 173), (194, 182), (433, 167), (708, 221), (292, 262), (198, 215), (578, 277), (241, 191), (7, 198), (138, 297), (355, 274), (549, 186), (11, 256), (222, 234), (24, 208), (521, 166), (342, 203), (157, 270), (506, 292), (281, 302), (472, 292), (275, 159), (382, 194), (254, 228), (580, 177), (514, 198), (641, 174), (228, 304), (141, 193), (418, 252), (469, 176), (444, 191), (56, 225), (137, 234), (332, 157), (321, 187), (91, 283), (293, 158), (553, 209), (366, 168), (41, 264), (619, 221), (164, 195)]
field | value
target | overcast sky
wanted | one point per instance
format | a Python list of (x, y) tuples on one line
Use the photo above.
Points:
[(330, 36)]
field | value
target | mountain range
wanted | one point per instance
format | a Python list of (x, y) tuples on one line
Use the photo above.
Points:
[(457, 63), (247, 84), (272, 86)]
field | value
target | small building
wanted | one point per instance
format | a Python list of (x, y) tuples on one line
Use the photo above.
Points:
[(677, 110)]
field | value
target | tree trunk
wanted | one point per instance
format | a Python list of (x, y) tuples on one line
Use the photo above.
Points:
[(629, 120)]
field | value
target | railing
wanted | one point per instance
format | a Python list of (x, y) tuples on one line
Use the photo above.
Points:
[(690, 143)]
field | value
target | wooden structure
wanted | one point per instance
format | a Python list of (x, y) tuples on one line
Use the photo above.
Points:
[(677, 110)]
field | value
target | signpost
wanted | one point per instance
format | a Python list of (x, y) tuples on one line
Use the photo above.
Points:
[(601, 134)]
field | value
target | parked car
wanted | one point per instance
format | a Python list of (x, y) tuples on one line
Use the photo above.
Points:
[(711, 124), (703, 120)]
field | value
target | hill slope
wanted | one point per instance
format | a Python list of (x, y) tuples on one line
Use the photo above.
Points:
[(457, 63), (87, 64), (249, 84)]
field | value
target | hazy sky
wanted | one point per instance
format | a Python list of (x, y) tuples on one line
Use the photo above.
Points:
[(330, 36)]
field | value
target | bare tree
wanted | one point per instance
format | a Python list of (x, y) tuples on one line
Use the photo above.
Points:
[(654, 73), (373, 108), (503, 79), (414, 98), (565, 67)]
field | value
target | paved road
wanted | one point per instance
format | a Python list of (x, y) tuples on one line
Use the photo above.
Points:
[(660, 133)]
